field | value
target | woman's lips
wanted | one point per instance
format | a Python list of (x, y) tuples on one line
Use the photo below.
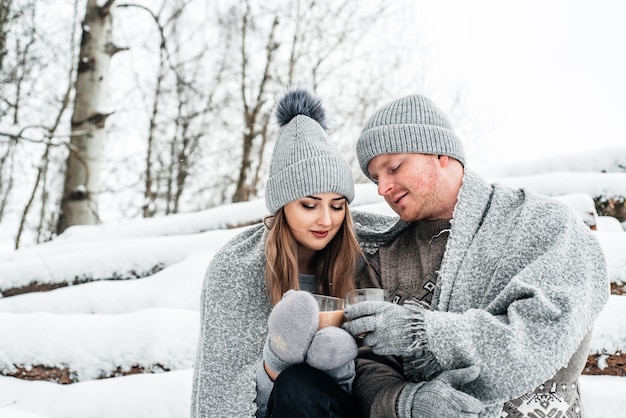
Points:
[(320, 234)]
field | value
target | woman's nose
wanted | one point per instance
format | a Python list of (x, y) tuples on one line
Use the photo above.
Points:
[(324, 218)]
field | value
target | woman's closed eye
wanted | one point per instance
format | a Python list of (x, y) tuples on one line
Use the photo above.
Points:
[(314, 206)]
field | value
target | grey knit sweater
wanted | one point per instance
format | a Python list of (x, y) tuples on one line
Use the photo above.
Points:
[(521, 282)]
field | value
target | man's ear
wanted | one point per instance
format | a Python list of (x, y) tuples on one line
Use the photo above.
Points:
[(444, 160)]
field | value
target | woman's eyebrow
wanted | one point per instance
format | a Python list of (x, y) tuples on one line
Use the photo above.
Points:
[(319, 198)]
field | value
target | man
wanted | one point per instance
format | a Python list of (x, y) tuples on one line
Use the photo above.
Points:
[(499, 280)]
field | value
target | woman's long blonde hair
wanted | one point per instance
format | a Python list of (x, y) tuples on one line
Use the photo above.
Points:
[(335, 265)]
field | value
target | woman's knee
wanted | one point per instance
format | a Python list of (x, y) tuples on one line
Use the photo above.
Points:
[(303, 391), (299, 382)]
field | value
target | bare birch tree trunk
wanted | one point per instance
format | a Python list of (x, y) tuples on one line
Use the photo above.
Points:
[(5, 9), (79, 203)]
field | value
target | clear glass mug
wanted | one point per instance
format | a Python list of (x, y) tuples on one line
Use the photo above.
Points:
[(331, 311), (366, 294)]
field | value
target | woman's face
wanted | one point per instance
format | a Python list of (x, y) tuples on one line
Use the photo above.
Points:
[(315, 220)]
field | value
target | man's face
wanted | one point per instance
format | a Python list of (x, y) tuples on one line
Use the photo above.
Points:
[(410, 183)]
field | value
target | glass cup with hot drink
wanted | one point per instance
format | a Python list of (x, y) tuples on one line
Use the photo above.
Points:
[(366, 294), (331, 311)]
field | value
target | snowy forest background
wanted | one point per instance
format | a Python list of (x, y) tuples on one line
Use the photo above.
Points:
[(166, 107), (157, 157)]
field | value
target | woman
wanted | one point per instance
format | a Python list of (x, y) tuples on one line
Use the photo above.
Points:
[(253, 341)]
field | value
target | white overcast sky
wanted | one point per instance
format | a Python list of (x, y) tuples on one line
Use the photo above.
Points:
[(540, 77)]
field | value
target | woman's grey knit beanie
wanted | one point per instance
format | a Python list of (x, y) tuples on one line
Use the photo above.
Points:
[(412, 124), (304, 161)]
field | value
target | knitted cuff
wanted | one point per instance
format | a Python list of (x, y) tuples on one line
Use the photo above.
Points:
[(343, 375), (421, 363), (272, 360), (416, 329), (404, 405), (264, 386)]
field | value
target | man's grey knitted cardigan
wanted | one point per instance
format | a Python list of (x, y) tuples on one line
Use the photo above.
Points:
[(520, 276)]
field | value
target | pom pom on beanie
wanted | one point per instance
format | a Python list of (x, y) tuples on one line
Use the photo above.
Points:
[(304, 161)]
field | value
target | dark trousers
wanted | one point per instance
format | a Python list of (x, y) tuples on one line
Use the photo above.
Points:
[(304, 392)]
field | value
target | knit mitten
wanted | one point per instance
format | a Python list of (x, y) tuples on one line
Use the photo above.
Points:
[(333, 351), (390, 329), (441, 397), (291, 327), (331, 347)]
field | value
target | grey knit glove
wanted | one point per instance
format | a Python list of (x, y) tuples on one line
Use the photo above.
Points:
[(391, 329), (441, 397), (292, 324)]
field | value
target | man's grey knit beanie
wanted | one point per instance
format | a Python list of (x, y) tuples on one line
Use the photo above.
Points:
[(304, 161), (412, 124)]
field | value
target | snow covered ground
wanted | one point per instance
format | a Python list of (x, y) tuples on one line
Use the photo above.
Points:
[(135, 298)]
